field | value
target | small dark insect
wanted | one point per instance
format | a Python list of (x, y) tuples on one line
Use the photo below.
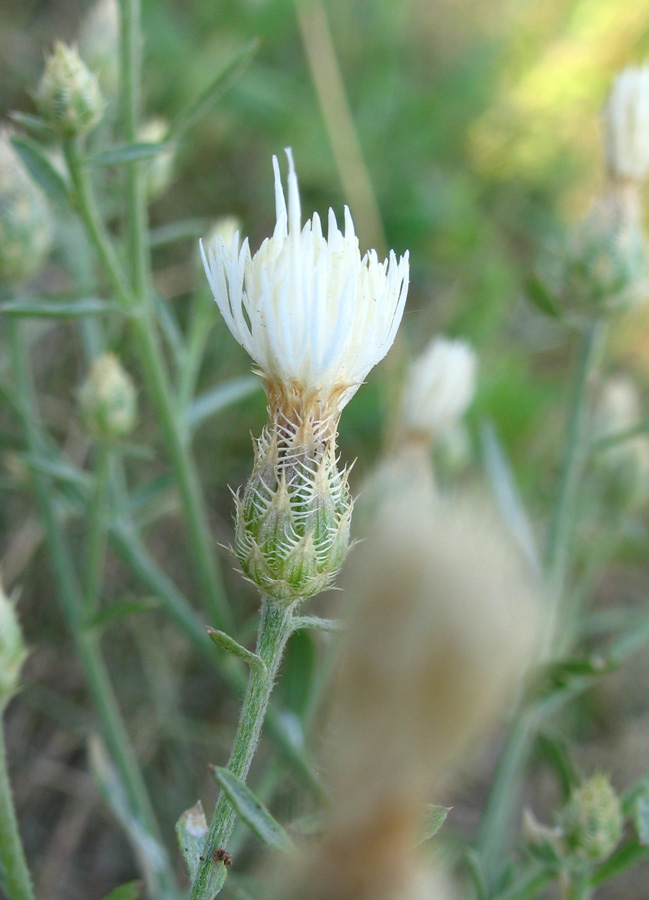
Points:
[(223, 856)]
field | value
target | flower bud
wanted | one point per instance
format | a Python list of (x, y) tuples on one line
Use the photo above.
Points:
[(292, 523), (99, 43), (626, 125), (68, 95), (604, 265), (592, 820), (159, 170), (12, 650), (108, 400), (439, 388), (25, 224)]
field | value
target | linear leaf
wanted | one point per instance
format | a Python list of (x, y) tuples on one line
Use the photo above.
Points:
[(434, 818), (185, 229), (219, 398), (191, 832), (117, 612), (641, 818), (252, 810), (42, 171), (131, 891), (35, 124), (224, 78), (541, 297), (51, 309), (127, 153), (506, 493)]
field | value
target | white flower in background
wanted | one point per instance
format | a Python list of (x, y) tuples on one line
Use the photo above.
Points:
[(315, 317), (439, 388), (225, 227), (626, 125), (313, 314), (98, 38)]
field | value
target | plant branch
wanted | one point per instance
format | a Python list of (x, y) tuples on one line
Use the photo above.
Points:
[(17, 880)]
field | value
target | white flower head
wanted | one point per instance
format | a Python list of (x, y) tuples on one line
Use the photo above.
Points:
[(626, 125), (440, 387), (313, 314)]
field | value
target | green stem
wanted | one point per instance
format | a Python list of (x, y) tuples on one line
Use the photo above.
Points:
[(97, 531), (530, 885), (579, 887), (171, 424), (136, 202), (86, 643), (574, 457), (274, 630), (13, 866), (127, 544), (499, 810)]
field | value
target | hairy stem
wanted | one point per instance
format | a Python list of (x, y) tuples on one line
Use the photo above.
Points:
[(13, 866), (274, 630), (97, 530)]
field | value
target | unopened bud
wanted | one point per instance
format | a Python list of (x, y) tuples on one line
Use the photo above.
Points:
[(626, 125), (25, 224), (592, 820), (108, 400), (293, 520), (159, 170), (604, 265), (68, 95), (439, 388), (99, 43), (12, 650)]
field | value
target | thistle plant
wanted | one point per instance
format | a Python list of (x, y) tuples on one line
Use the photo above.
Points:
[(315, 317), (437, 632)]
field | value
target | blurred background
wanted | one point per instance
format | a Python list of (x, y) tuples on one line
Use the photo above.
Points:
[(465, 131)]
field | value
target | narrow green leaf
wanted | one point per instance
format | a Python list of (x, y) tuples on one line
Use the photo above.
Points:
[(624, 857), (224, 78), (46, 309), (540, 296), (148, 848), (186, 229), (317, 623), (58, 470), (434, 818), (251, 810), (619, 437), (503, 483), (227, 643), (192, 832), (127, 153), (555, 752), (42, 171), (117, 612), (39, 127), (298, 672), (131, 891), (219, 398), (641, 819)]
